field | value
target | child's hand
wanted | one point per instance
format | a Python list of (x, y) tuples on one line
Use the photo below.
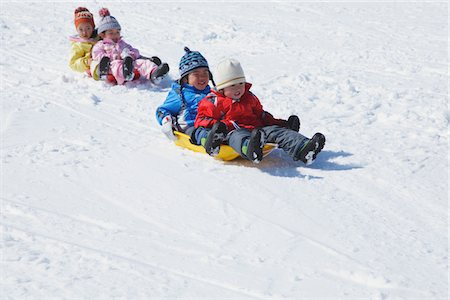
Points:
[(125, 53), (167, 128)]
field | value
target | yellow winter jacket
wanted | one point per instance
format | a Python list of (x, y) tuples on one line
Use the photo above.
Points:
[(80, 53)]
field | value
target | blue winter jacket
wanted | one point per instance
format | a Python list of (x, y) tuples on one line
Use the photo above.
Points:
[(182, 104)]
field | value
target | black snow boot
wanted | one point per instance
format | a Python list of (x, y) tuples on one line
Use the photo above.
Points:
[(159, 72), (255, 146), (128, 68), (103, 67), (215, 138), (309, 151), (155, 60)]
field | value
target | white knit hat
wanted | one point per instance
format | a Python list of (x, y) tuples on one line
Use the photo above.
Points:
[(107, 21), (228, 72)]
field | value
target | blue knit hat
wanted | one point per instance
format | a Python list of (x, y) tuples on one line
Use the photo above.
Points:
[(190, 61), (107, 21)]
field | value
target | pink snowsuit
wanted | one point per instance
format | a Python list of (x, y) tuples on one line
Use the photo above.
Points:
[(109, 48)]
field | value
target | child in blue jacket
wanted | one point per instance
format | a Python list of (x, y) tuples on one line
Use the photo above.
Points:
[(179, 110)]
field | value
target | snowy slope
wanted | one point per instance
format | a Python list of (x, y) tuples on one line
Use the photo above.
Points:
[(97, 204)]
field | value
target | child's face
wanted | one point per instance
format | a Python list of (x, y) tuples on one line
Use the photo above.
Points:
[(112, 34), (199, 78), (234, 91), (85, 30)]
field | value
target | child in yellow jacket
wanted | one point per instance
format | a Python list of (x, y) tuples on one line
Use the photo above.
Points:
[(82, 43)]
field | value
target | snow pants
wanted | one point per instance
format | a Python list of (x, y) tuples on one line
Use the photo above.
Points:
[(287, 139), (145, 67)]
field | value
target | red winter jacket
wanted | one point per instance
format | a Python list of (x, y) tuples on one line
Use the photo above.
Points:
[(247, 112)]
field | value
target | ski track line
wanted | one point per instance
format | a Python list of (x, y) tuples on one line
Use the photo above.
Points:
[(296, 235), (382, 209), (126, 208), (118, 117), (44, 100), (290, 233), (69, 107), (92, 118), (330, 250), (370, 281), (106, 227), (154, 266), (36, 210), (120, 129), (137, 215)]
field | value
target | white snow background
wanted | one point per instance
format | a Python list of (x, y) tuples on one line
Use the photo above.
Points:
[(96, 203)]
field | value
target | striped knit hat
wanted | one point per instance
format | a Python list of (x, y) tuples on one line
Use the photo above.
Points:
[(190, 61), (107, 21), (82, 15)]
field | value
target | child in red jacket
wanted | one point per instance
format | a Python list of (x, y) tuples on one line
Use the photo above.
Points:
[(235, 114)]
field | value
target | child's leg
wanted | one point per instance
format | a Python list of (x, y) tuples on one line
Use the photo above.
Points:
[(145, 67), (199, 134), (291, 141), (116, 67), (214, 138), (190, 131), (286, 139), (247, 144)]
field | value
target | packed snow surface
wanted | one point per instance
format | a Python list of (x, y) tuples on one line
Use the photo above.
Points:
[(96, 203)]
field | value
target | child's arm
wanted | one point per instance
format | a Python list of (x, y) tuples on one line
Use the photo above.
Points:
[(133, 52), (98, 51), (170, 107), (79, 58), (208, 114)]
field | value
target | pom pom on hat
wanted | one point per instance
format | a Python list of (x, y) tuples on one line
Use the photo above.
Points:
[(80, 9), (107, 21), (190, 61), (103, 12), (82, 15), (228, 72)]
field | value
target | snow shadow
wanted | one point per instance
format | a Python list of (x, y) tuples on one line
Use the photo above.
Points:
[(276, 163), (144, 84), (325, 161), (280, 164)]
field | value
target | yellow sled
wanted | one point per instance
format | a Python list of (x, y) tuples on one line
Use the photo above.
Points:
[(225, 153)]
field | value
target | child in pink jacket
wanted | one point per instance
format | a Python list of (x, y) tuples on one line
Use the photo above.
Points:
[(120, 60)]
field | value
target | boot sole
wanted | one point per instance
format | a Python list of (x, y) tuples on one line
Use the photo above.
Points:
[(254, 150), (215, 139), (127, 70), (309, 153), (160, 72), (103, 67)]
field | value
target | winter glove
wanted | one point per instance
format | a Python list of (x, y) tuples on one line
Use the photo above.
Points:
[(293, 123), (167, 129), (125, 53)]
